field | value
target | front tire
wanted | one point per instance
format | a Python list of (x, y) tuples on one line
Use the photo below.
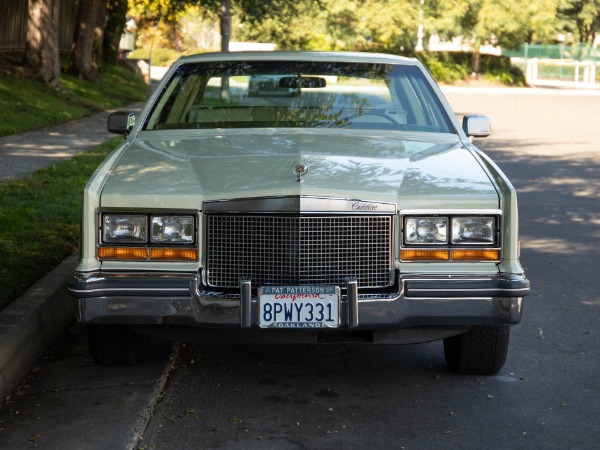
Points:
[(112, 345), (481, 350)]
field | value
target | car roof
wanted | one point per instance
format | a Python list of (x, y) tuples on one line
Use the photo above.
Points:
[(292, 55)]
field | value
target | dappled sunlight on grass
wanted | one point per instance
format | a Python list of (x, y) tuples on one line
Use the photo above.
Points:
[(28, 105)]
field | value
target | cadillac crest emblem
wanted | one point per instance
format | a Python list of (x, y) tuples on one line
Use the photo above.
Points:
[(299, 169)]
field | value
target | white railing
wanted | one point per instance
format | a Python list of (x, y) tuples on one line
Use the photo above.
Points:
[(577, 73)]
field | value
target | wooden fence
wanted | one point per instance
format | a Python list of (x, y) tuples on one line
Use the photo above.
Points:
[(13, 24)]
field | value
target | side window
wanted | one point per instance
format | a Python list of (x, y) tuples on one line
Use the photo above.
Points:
[(424, 111), (175, 102)]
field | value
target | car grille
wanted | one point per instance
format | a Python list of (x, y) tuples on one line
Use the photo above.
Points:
[(300, 250)]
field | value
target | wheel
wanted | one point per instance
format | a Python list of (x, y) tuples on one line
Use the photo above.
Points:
[(112, 345), (480, 351)]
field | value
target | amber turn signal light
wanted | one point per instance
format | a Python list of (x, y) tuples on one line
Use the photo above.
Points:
[(122, 253), (145, 254), (173, 254), (422, 254), (476, 255), (425, 255)]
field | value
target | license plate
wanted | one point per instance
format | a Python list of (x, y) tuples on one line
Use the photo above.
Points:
[(299, 307)]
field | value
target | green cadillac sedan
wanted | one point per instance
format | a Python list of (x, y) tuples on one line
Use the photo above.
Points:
[(340, 201)]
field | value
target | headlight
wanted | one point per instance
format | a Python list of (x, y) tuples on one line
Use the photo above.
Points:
[(172, 229), (473, 230), (118, 228), (426, 230)]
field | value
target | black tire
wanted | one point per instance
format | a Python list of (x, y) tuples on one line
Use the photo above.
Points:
[(480, 351), (112, 345)]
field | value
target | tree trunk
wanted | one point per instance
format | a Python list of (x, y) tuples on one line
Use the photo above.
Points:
[(80, 55), (225, 36), (99, 36), (476, 62), (41, 48), (116, 11), (225, 24)]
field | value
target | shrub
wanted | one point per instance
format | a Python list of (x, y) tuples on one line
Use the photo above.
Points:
[(450, 67), (160, 56)]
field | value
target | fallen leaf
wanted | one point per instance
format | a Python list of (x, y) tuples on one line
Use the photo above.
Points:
[(33, 439)]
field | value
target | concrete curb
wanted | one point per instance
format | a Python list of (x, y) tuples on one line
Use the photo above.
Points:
[(31, 323)]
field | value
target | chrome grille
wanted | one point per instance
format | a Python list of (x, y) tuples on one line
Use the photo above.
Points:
[(300, 250)]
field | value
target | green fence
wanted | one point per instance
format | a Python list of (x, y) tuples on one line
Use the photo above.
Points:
[(575, 64), (580, 52)]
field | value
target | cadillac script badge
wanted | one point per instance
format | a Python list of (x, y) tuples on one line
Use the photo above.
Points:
[(299, 170)]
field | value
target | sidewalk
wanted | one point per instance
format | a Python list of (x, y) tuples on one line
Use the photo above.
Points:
[(32, 322), (22, 154)]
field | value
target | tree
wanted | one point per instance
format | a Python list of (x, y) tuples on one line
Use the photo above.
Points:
[(298, 25), (41, 48), (376, 25), (99, 28), (584, 18), (158, 20), (225, 16), (507, 23), (116, 13), (80, 55)]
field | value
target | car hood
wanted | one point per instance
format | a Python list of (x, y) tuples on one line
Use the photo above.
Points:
[(180, 170)]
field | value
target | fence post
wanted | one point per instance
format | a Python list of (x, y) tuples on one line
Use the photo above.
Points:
[(531, 72)]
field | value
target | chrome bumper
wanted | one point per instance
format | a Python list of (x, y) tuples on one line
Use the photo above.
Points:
[(180, 299)]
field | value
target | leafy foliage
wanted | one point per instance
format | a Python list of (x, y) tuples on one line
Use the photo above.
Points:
[(451, 67), (508, 23), (159, 56), (581, 17)]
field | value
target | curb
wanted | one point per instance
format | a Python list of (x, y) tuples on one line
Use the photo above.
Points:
[(31, 323)]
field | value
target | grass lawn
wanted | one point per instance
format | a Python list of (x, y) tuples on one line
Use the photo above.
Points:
[(40, 218), (40, 214), (26, 104)]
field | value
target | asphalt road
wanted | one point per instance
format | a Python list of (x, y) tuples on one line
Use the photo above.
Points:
[(354, 397)]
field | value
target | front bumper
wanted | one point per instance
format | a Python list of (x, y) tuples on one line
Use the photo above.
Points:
[(417, 301)]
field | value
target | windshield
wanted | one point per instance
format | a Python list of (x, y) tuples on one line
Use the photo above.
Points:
[(268, 94)]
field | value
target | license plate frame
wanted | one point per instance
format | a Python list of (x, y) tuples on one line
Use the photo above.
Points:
[(299, 307)]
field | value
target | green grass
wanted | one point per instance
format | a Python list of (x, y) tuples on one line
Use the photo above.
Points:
[(40, 214), (40, 220), (29, 105)]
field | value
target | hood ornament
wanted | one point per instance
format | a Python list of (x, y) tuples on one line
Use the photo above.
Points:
[(299, 169)]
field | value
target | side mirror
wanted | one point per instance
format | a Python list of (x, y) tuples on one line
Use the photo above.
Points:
[(121, 122), (477, 126)]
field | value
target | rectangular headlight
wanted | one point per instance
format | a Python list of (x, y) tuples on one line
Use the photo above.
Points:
[(426, 230), (124, 228), (473, 230), (172, 229)]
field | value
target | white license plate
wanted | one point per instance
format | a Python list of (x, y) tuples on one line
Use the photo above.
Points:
[(299, 307)]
